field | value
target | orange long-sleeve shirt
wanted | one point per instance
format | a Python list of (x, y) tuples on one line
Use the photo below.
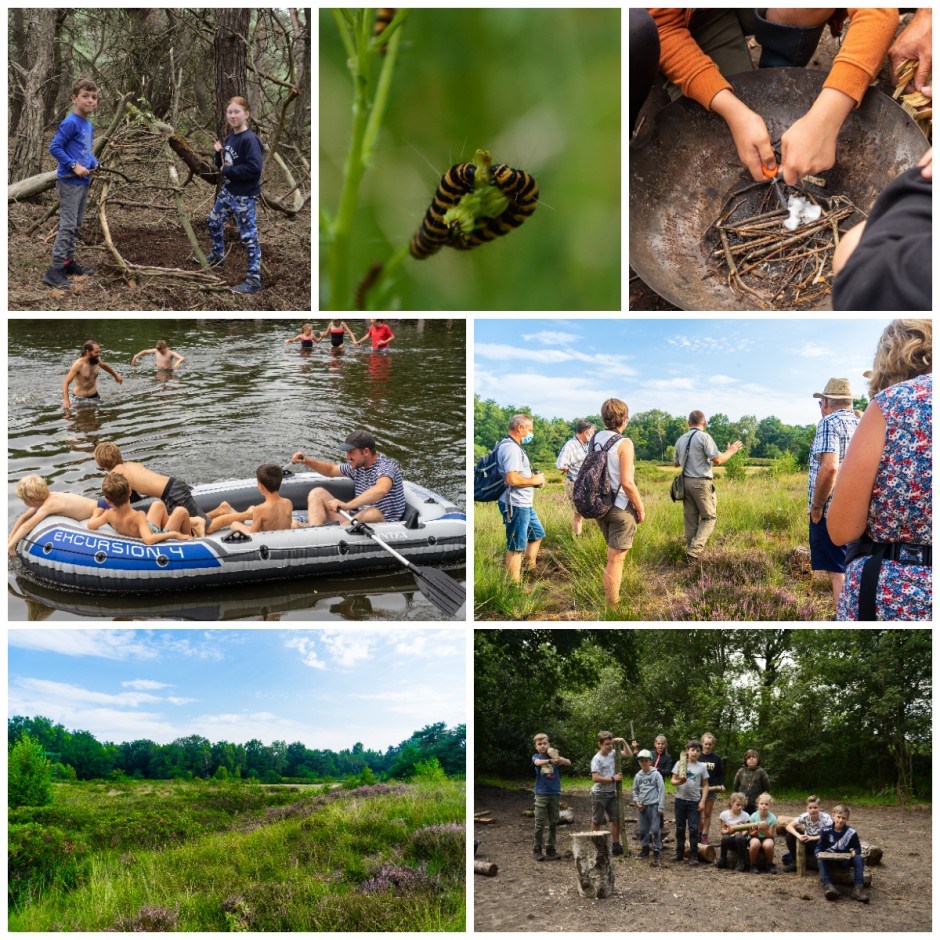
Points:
[(866, 43)]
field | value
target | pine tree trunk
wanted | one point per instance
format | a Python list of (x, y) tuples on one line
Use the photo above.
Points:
[(231, 60), (31, 77)]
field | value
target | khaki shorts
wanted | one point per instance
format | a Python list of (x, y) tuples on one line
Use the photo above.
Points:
[(618, 527), (569, 490)]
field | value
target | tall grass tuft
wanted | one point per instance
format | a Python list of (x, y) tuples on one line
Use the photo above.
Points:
[(762, 517)]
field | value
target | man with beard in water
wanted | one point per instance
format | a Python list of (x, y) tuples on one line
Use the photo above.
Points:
[(84, 373)]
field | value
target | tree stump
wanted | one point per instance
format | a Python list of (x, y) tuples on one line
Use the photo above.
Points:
[(871, 853), (845, 876), (592, 856), (485, 868), (706, 853)]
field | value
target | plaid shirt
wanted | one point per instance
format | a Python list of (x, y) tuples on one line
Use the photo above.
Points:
[(833, 434)]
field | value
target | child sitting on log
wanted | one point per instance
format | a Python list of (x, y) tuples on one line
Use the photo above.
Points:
[(547, 796), (731, 817), (604, 792), (762, 835), (813, 821), (840, 837)]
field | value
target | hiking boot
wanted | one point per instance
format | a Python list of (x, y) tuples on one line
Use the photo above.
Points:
[(251, 285), (830, 892), (740, 867), (539, 857), (721, 863), (678, 857), (56, 277), (772, 869), (655, 860), (860, 894), (618, 849), (645, 853), (73, 268), (552, 855)]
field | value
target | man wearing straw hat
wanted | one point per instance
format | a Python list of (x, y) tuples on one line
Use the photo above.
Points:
[(833, 433)]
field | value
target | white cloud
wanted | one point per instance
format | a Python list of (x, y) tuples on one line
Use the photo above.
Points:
[(349, 649), (265, 726), (598, 362), (207, 650), (420, 701), (106, 644), (711, 344), (812, 351), (145, 684), (427, 644), (550, 338), (305, 646), (722, 380)]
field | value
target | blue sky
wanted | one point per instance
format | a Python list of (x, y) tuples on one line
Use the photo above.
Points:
[(328, 688), (567, 368)]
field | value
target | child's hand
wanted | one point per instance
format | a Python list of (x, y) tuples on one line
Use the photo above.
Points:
[(81, 170), (638, 805), (217, 146), (179, 535), (618, 778), (118, 379)]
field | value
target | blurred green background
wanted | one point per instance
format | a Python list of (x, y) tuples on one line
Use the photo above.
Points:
[(539, 89)]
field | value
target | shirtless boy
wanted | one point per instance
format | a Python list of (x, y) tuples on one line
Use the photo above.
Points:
[(274, 514), (146, 482), (34, 491), (163, 356), (84, 373), (155, 526)]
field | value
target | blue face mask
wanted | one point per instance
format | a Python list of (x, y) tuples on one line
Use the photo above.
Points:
[(528, 438)]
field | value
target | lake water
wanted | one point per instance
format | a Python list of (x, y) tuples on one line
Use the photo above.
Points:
[(241, 398)]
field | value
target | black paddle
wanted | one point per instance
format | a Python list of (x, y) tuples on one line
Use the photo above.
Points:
[(437, 586)]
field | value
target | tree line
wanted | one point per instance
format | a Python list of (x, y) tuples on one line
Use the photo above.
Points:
[(79, 755), (654, 433), (827, 708)]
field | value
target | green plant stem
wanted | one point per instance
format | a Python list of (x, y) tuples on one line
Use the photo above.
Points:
[(385, 279)]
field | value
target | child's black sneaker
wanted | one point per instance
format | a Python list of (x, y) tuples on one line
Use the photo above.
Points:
[(694, 860), (677, 857), (655, 860), (830, 892), (740, 867), (552, 855), (539, 857), (56, 277), (644, 853), (721, 863), (772, 869), (755, 870), (789, 867), (74, 269), (250, 285), (618, 849)]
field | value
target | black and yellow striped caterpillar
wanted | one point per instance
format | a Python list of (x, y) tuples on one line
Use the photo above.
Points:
[(383, 17), (468, 231)]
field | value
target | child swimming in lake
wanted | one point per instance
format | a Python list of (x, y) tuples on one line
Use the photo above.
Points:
[(306, 337), (163, 356), (337, 330), (381, 335)]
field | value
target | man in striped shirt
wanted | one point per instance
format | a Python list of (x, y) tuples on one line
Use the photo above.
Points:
[(379, 494)]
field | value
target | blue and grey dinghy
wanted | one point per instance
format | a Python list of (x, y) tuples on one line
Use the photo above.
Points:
[(433, 531)]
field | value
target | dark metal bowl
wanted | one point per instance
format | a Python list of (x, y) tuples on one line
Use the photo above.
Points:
[(681, 176)]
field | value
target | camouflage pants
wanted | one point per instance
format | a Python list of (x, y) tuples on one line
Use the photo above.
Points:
[(243, 209)]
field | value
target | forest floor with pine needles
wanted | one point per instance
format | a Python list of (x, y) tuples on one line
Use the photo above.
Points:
[(146, 236), (538, 896)]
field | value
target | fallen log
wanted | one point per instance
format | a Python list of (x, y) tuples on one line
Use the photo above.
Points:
[(485, 868), (706, 853), (592, 855), (871, 853)]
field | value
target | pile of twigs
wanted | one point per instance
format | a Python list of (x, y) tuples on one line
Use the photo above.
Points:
[(780, 269)]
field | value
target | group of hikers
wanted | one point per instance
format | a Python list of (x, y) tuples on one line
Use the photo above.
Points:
[(868, 505), (748, 828), (883, 263)]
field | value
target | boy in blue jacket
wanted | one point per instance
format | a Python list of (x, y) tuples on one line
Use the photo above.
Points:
[(240, 160), (72, 147), (841, 837)]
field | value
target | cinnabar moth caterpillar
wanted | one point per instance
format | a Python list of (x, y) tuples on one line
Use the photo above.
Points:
[(434, 231), (523, 193), (383, 17)]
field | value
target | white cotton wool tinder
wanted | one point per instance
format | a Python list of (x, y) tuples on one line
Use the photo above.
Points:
[(802, 211)]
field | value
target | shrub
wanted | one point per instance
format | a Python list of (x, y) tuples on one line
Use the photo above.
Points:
[(430, 771), (441, 847), (30, 775), (40, 856), (151, 918), (784, 465), (399, 879), (736, 466)]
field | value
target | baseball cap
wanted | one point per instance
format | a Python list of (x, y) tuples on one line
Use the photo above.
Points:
[(358, 439)]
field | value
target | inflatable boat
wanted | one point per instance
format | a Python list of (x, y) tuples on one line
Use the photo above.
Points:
[(65, 553)]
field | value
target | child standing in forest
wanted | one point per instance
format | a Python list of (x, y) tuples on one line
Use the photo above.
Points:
[(649, 796), (547, 796), (751, 779), (604, 791), (240, 160), (72, 147), (691, 793), (716, 781)]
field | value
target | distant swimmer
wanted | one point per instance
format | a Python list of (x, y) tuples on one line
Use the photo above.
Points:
[(305, 337), (337, 331), (164, 357), (84, 373)]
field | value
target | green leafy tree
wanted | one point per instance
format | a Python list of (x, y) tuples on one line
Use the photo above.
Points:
[(30, 774), (736, 466)]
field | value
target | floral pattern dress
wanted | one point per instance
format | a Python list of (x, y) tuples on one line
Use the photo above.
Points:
[(900, 509)]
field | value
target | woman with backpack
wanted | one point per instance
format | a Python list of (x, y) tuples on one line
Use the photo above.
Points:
[(619, 523)]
